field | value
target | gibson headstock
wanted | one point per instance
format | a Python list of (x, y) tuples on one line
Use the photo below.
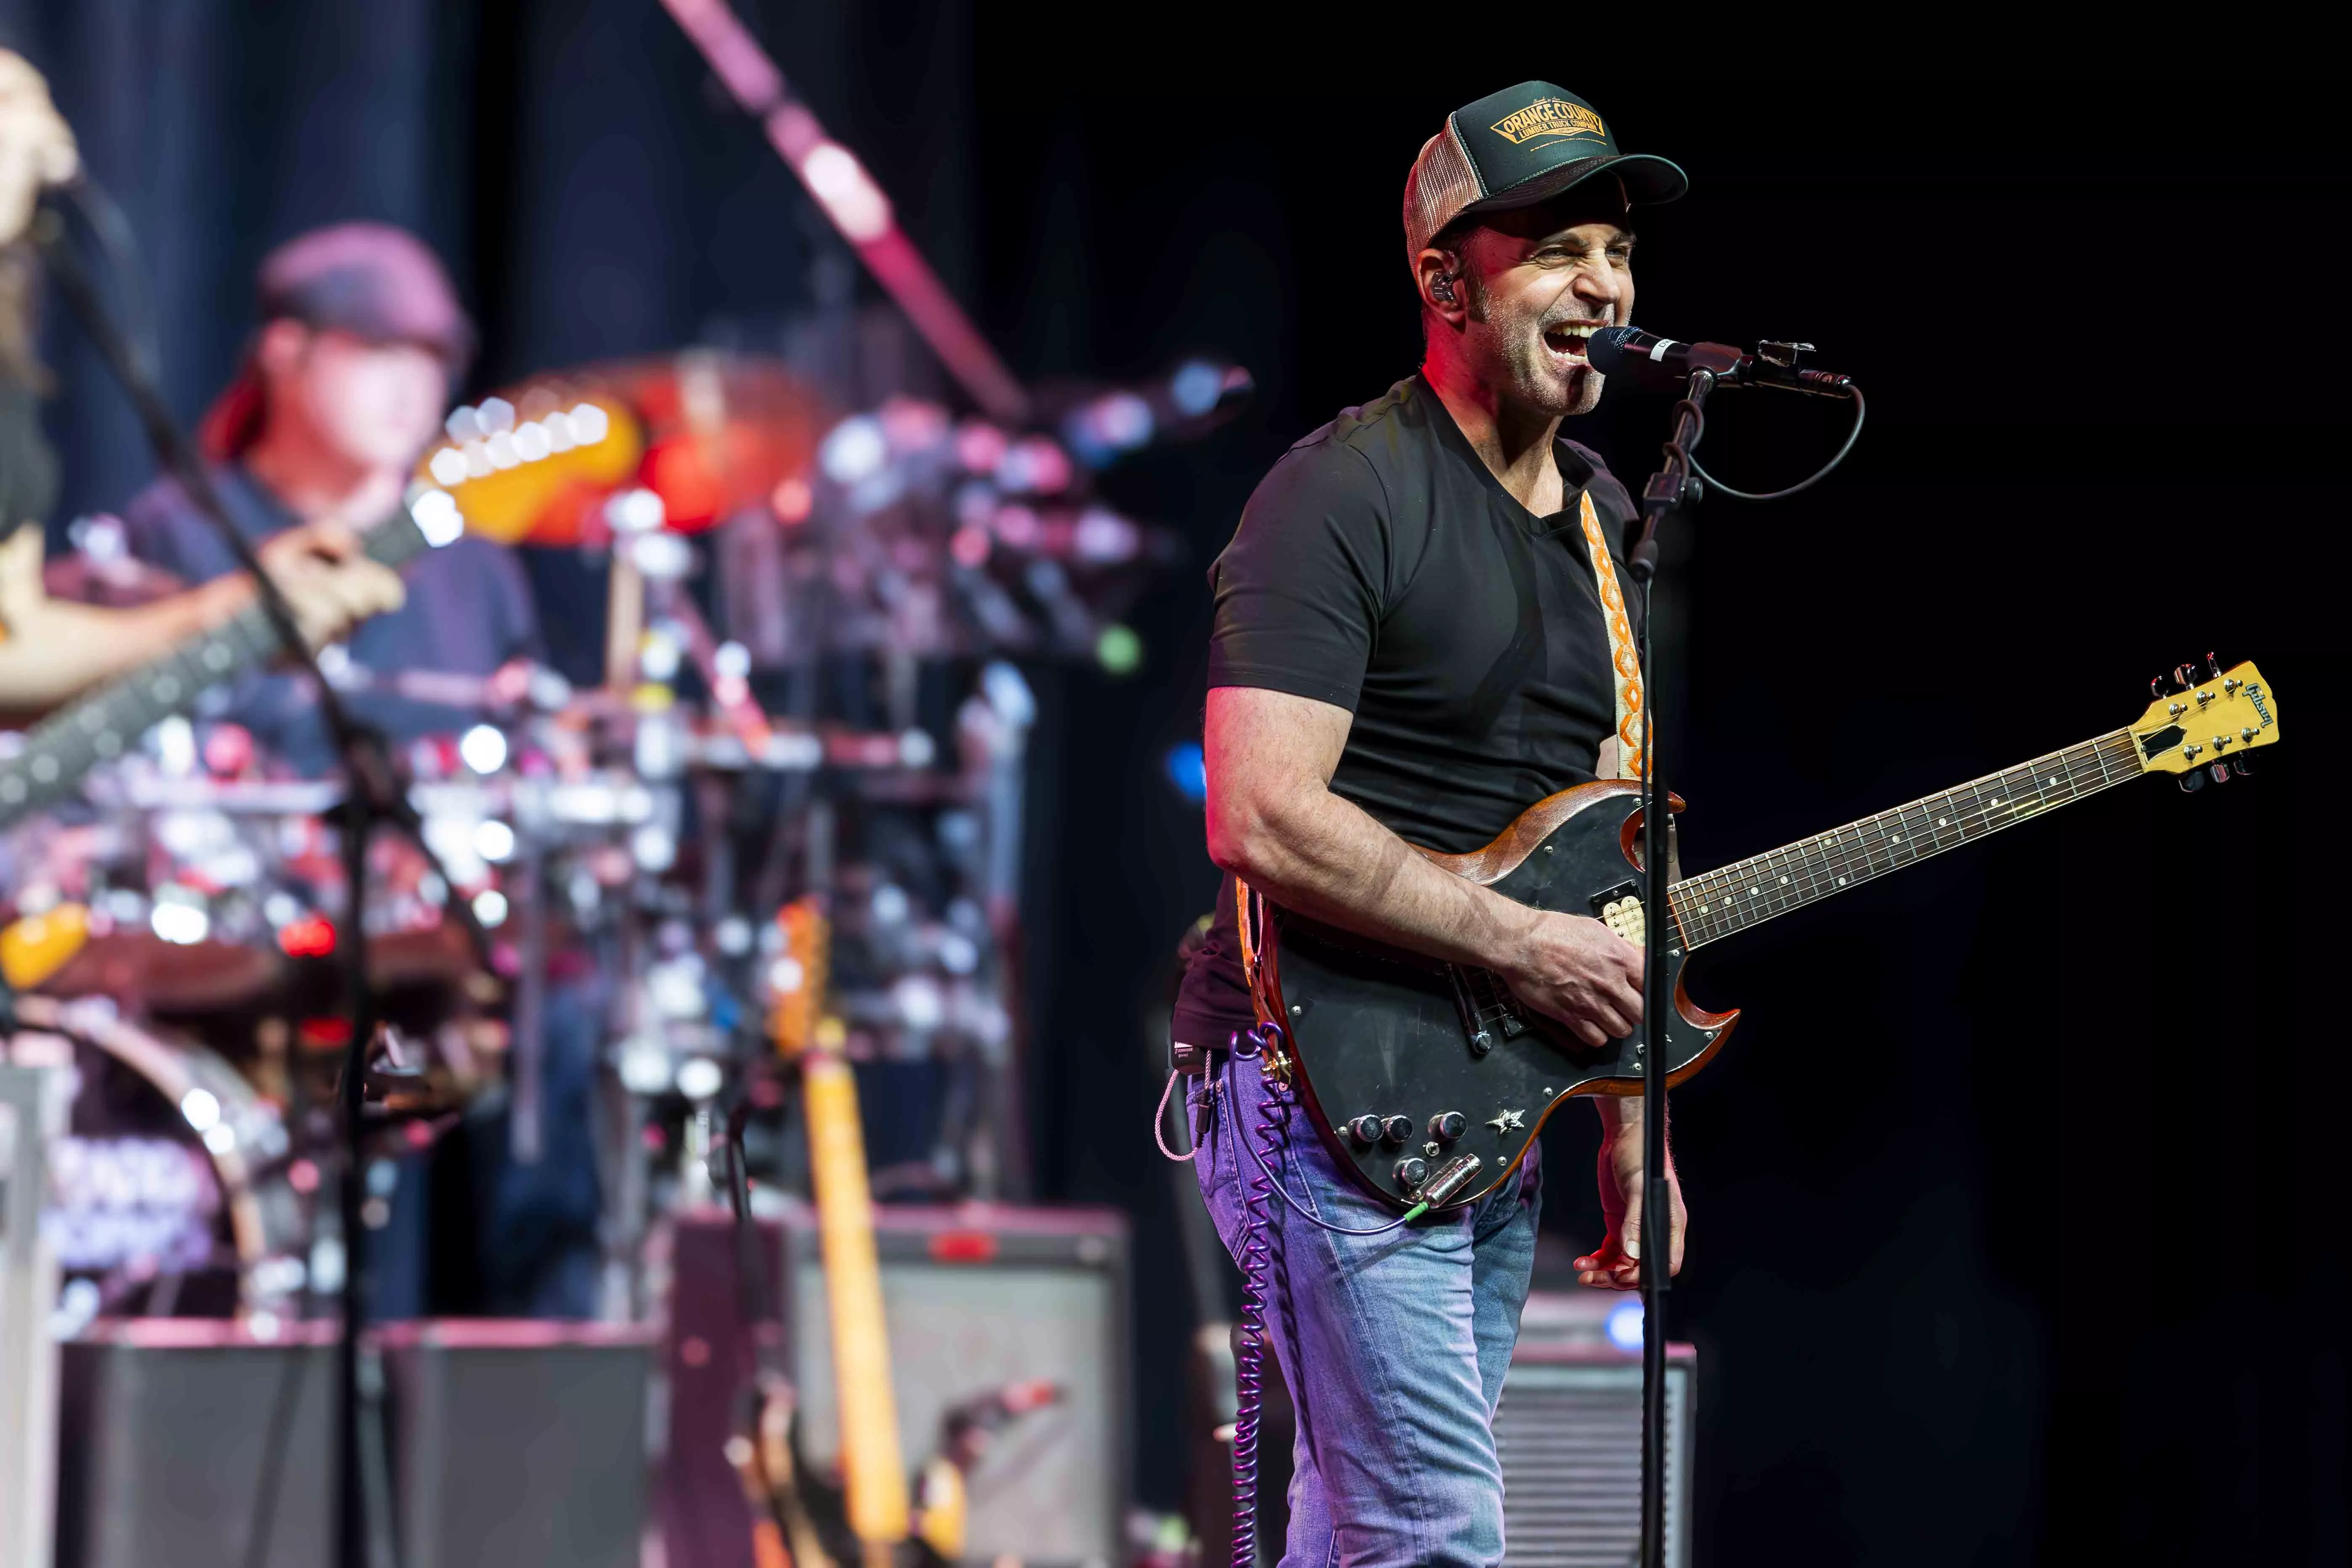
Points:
[(2204, 723)]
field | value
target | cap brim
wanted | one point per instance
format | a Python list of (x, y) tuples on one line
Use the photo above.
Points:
[(1649, 180)]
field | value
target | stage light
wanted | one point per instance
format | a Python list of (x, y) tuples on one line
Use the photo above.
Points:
[(497, 415), (970, 546), (1017, 526), (438, 518), (309, 936), (590, 425), (636, 511), (1118, 650), (1195, 387), (199, 1109), (852, 450), (644, 1064), (1101, 536), (184, 924), (1188, 770), (699, 1077), (449, 466), (979, 446), (846, 192), (490, 907), (463, 425), (531, 442), (732, 660), (791, 500), (483, 748), (494, 841), (1624, 1326)]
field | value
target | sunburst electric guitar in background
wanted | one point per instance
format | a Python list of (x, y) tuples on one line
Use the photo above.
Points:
[(1428, 1081)]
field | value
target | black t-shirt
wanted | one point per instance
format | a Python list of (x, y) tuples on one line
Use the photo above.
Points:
[(1382, 567)]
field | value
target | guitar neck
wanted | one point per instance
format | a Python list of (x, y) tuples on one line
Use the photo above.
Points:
[(101, 726), (873, 1470), (1732, 898)]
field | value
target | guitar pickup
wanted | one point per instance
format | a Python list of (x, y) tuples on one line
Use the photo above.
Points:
[(1620, 908)]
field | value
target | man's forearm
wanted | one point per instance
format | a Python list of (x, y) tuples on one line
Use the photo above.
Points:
[(1329, 860)]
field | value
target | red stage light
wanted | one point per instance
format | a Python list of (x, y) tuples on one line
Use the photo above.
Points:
[(313, 936)]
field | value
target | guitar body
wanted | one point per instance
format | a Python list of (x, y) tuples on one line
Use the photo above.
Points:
[(1378, 1031)]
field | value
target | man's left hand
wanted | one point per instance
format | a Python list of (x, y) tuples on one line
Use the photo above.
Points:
[(1616, 1264)]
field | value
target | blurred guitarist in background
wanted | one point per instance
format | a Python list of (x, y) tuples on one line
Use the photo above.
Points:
[(1417, 638), (361, 345), (50, 650)]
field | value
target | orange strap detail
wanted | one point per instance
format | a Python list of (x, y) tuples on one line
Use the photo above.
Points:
[(1625, 753)]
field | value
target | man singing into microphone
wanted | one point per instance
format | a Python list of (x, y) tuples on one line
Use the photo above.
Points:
[(1413, 643)]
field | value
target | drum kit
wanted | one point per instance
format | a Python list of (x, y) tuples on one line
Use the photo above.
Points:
[(812, 681)]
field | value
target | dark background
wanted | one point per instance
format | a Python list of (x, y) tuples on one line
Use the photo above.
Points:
[(2017, 1207)]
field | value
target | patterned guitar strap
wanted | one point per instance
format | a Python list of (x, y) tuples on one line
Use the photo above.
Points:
[(1623, 754)]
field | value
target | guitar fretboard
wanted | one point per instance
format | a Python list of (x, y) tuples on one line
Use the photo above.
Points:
[(1732, 898), (101, 726)]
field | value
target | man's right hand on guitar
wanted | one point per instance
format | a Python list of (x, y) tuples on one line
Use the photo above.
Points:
[(1579, 972), (329, 583)]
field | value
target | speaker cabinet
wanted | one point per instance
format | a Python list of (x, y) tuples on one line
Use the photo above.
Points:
[(171, 1429), (518, 1443), (1569, 1432), (976, 1298)]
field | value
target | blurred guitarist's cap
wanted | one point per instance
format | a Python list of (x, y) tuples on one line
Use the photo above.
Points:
[(370, 279)]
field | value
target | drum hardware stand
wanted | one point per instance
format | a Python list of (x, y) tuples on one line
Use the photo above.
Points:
[(372, 794)]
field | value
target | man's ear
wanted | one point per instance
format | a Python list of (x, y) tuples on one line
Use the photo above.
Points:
[(280, 347), (1442, 290)]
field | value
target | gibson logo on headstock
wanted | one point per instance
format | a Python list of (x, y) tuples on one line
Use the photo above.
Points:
[(2261, 707)]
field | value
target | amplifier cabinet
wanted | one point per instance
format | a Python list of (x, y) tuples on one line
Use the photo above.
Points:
[(519, 1443), (976, 1297), (167, 1433), (1569, 1432)]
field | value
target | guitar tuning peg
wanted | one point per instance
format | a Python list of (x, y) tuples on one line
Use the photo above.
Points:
[(2221, 772), (2192, 781), (2184, 676), (2157, 687), (2242, 767), (2214, 665)]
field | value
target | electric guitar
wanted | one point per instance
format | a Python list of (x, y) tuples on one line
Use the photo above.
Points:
[(101, 725), (870, 1518), (1427, 1080)]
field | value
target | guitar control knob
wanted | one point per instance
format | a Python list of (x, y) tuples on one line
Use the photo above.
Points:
[(1396, 1129), (1448, 1125), (1364, 1131), (1412, 1172)]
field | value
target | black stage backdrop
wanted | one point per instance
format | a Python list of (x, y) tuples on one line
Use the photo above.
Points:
[(2018, 1211)]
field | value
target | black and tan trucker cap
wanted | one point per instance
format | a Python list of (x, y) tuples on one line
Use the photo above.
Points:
[(1518, 147)]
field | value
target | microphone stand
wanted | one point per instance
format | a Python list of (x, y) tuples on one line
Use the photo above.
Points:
[(1675, 485), (371, 794)]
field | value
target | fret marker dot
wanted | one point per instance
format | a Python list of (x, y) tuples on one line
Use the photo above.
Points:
[(1896, 838), (1841, 882), (1784, 881), (1941, 822), (2054, 781)]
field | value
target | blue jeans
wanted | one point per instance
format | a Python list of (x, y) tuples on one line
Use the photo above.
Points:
[(1394, 1346)]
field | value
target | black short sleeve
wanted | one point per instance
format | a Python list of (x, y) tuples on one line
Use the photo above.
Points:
[(1300, 590)]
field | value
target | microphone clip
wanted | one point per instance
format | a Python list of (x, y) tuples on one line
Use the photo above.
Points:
[(1783, 364)]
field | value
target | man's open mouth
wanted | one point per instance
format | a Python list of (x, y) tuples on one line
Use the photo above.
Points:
[(1566, 338)]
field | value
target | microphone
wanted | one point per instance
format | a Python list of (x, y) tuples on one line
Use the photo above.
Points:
[(1665, 363)]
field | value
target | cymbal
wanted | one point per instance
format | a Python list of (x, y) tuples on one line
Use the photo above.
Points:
[(710, 433)]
